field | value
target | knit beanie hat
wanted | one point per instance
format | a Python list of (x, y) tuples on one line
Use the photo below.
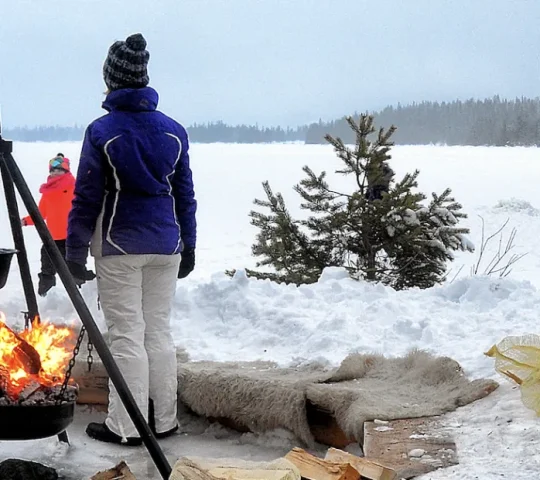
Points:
[(126, 64), (59, 163)]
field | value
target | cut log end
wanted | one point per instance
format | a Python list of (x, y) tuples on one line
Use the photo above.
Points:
[(367, 468), (314, 468), (119, 472)]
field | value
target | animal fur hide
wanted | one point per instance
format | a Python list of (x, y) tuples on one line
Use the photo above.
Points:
[(261, 396)]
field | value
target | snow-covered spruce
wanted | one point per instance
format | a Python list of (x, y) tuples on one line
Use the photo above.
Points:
[(380, 231)]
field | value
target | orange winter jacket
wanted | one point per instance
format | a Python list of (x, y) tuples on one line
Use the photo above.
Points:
[(55, 204)]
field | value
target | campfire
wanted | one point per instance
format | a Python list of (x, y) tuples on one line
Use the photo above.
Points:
[(33, 364)]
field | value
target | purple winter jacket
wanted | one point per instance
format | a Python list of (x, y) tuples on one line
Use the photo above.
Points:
[(134, 189)]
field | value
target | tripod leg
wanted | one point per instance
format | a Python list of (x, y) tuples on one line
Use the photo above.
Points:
[(18, 240), (148, 437)]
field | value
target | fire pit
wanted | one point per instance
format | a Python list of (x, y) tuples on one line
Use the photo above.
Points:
[(36, 400)]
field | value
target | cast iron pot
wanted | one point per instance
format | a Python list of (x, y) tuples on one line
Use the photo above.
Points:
[(5, 262), (32, 422)]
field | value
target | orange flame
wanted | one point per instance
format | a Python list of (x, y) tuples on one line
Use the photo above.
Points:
[(53, 343)]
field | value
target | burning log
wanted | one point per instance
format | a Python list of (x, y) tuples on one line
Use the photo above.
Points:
[(23, 353), (29, 390), (7, 389), (33, 364), (4, 380), (28, 357)]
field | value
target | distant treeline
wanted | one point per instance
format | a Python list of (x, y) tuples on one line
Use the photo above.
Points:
[(493, 121), (198, 133), (221, 132), (473, 122), (44, 134)]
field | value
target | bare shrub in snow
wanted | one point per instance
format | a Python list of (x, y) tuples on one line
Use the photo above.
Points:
[(503, 259)]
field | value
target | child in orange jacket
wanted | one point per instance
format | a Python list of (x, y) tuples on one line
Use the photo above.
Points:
[(54, 205)]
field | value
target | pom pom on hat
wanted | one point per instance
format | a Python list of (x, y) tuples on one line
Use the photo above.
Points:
[(126, 65)]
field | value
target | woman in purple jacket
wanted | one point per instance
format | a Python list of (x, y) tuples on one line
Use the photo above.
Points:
[(135, 207)]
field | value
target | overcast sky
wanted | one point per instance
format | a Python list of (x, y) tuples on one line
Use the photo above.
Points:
[(267, 61)]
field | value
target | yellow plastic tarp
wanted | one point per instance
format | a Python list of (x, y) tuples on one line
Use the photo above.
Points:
[(518, 358)]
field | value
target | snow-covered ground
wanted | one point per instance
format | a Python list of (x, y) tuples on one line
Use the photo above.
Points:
[(219, 318)]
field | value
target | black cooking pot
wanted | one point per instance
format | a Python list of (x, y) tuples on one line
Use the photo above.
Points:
[(5, 262), (32, 422)]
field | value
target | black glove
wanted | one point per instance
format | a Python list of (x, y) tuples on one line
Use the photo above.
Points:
[(80, 273), (188, 262)]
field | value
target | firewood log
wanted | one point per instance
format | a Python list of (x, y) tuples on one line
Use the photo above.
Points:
[(25, 354)]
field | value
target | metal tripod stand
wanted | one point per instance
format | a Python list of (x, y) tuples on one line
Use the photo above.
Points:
[(32, 314), (12, 178)]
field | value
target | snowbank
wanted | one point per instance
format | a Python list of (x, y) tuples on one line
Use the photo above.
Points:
[(222, 318), (242, 318)]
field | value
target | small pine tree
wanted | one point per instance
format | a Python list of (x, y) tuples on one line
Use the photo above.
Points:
[(381, 231)]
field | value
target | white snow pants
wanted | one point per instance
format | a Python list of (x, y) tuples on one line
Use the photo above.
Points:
[(136, 294)]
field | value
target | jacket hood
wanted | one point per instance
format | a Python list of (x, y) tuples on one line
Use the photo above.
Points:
[(56, 183), (132, 100)]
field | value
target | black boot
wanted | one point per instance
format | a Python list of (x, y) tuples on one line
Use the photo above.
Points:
[(46, 282), (100, 431), (166, 434), (152, 423)]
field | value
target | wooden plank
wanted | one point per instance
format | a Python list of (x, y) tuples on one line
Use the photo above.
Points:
[(93, 385), (367, 468), (97, 408), (92, 396), (411, 447), (185, 469), (314, 468), (248, 474), (215, 469)]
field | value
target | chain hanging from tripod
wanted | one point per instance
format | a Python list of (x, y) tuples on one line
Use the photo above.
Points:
[(62, 395), (90, 358), (27, 320), (69, 370)]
